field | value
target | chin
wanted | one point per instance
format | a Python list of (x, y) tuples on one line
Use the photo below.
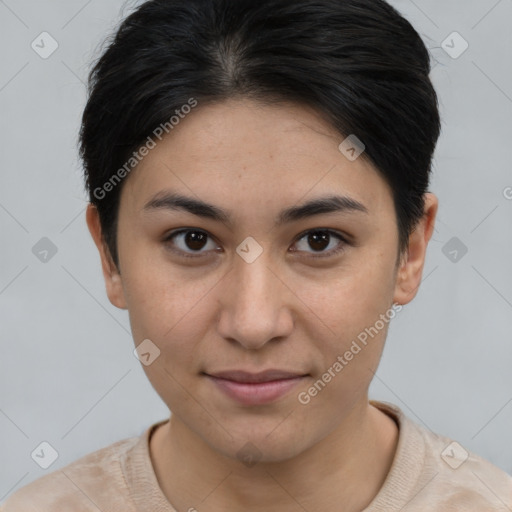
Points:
[(260, 444)]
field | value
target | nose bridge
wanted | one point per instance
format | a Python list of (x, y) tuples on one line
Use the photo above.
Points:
[(254, 281), (253, 306)]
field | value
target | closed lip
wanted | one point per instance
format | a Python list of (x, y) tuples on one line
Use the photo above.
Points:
[(248, 377)]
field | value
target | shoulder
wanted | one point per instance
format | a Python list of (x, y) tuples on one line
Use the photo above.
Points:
[(466, 479), (431, 472), (457, 479), (87, 484)]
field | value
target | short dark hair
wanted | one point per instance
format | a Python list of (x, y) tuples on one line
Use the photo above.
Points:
[(358, 63)]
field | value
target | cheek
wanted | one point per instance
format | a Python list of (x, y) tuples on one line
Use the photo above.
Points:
[(352, 297), (158, 296), (171, 312), (356, 306), (172, 307)]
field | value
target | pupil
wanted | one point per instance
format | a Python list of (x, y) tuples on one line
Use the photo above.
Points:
[(318, 237)]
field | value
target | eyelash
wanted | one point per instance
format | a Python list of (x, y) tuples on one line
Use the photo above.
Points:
[(333, 252)]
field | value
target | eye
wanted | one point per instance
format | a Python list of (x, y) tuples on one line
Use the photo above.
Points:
[(189, 239), (320, 239), (190, 243)]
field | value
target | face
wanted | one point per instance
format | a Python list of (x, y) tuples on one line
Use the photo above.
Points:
[(241, 286)]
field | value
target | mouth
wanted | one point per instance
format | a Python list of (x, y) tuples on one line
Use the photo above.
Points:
[(248, 388)]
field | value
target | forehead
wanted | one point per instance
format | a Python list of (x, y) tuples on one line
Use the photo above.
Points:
[(239, 151)]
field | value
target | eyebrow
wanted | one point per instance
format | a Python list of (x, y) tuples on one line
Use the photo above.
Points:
[(329, 204)]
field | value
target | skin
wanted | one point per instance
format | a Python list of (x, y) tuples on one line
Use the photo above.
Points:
[(286, 310)]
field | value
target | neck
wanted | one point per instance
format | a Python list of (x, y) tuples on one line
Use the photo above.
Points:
[(345, 470)]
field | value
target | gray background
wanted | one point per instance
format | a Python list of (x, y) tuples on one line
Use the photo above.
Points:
[(68, 375)]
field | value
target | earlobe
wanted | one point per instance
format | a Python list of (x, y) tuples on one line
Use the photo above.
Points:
[(111, 275), (409, 274)]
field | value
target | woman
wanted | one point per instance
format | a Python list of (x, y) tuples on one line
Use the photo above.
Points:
[(258, 178)]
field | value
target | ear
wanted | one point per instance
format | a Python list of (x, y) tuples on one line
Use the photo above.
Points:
[(410, 271), (113, 281)]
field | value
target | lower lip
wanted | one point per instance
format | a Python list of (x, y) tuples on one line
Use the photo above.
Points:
[(256, 393)]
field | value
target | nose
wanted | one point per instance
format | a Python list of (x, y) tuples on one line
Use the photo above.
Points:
[(256, 305)]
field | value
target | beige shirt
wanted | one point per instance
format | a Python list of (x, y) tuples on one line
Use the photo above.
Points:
[(429, 473)]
